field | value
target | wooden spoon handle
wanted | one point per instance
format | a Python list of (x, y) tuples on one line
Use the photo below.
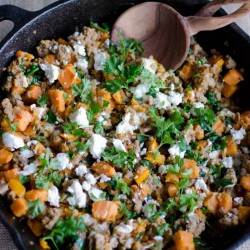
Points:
[(196, 24), (210, 8)]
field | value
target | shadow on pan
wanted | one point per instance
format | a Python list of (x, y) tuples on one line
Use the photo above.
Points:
[(64, 18)]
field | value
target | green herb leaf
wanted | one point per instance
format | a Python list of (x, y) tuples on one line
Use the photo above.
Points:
[(128, 214), (224, 183), (188, 201), (118, 183), (161, 229), (73, 128), (50, 117), (36, 208), (13, 126), (83, 90), (96, 26), (24, 179)]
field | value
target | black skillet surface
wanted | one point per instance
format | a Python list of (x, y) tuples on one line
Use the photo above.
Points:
[(62, 19)]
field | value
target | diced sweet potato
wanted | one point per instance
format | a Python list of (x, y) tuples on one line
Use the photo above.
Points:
[(17, 187), (44, 244), (225, 203), (155, 159), (232, 147), (152, 144), (244, 213), (35, 194), (70, 97), (19, 207), (199, 132), (103, 168), (201, 145), (57, 99), (233, 77), (104, 94), (245, 120), (23, 118), (104, 36), (68, 137), (172, 190), (32, 94), (186, 71), (200, 214), (5, 156), (211, 202), (35, 226), (119, 97), (141, 175), (218, 127), (68, 76), (191, 164), (10, 174), (29, 131), (173, 178), (228, 90), (23, 54), (39, 148), (184, 240), (50, 58), (105, 210), (217, 61), (62, 41), (245, 182)]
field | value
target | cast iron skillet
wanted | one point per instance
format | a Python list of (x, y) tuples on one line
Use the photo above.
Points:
[(62, 19)]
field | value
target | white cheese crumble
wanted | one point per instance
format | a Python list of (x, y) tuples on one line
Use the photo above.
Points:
[(79, 49), (39, 112), (118, 145), (78, 197), (32, 142), (149, 64), (12, 141), (27, 153), (164, 101), (227, 162), (162, 169), (86, 186), (30, 168), (64, 161), (188, 191), (245, 150), (53, 196), (82, 64), (214, 154), (104, 178), (198, 105), (81, 170), (97, 145), (237, 135), (238, 200), (80, 117), (124, 126), (123, 229), (90, 179), (140, 90), (51, 71), (201, 185), (88, 219), (99, 58), (174, 150), (96, 194)]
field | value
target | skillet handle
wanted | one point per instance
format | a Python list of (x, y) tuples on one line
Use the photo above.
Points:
[(15, 14)]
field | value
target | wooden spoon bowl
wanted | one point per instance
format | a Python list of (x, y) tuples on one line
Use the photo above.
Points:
[(165, 33)]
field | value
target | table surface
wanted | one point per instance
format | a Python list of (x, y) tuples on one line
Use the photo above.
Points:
[(5, 27)]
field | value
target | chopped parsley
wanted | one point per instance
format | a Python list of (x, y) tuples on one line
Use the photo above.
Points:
[(119, 184), (36, 208), (83, 90), (128, 214), (50, 117), (13, 126), (73, 128), (42, 100)]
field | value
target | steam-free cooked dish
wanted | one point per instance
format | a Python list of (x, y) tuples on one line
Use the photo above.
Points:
[(102, 148)]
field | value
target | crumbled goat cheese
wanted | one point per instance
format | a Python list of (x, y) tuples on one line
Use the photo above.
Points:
[(90, 179), (97, 145), (198, 105), (227, 162), (79, 49), (95, 193), (80, 117), (64, 161), (103, 116), (86, 186), (104, 178), (237, 135), (78, 197), (81, 170), (26, 153), (39, 112), (149, 64), (138, 118), (201, 185), (30, 168), (175, 98), (12, 141), (88, 219), (174, 150), (227, 113), (124, 126), (82, 64), (99, 58), (188, 191), (51, 71), (245, 150), (53, 196), (140, 90), (162, 169), (162, 101), (118, 145), (158, 238), (214, 154), (32, 142), (123, 229), (238, 200)]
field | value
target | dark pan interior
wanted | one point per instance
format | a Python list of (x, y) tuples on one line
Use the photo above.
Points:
[(64, 18)]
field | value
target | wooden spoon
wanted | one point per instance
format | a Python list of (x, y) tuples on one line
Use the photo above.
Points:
[(165, 33)]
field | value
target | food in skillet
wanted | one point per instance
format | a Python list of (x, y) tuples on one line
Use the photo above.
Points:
[(104, 149)]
